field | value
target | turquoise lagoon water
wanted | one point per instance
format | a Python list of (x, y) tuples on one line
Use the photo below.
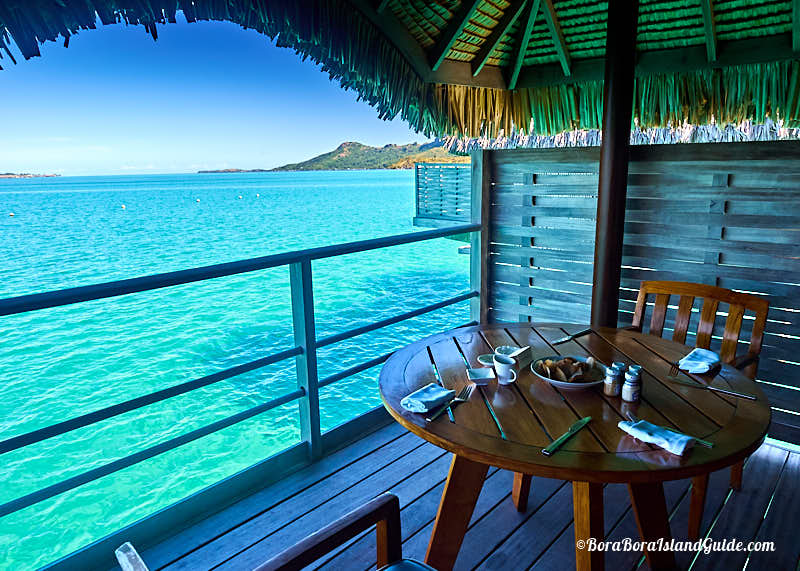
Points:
[(62, 362)]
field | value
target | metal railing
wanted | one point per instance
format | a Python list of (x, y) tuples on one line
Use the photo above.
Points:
[(305, 349)]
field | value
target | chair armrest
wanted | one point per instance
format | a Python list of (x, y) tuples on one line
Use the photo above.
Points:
[(383, 511)]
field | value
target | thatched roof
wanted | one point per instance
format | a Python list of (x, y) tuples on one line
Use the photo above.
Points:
[(473, 67)]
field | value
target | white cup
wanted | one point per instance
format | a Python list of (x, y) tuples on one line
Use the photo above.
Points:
[(504, 366)]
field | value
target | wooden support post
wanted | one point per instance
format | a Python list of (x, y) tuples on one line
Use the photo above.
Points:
[(697, 505), (587, 504), (305, 337), (652, 518), (617, 109), (464, 483), (521, 490), (479, 243)]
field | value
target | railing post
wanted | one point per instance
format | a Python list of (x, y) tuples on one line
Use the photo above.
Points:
[(305, 337), (479, 243)]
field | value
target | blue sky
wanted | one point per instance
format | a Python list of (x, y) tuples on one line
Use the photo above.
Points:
[(205, 95)]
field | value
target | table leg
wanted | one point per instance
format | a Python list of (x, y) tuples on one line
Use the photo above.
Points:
[(521, 490), (652, 518), (464, 483), (587, 502), (736, 475), (697, 505)]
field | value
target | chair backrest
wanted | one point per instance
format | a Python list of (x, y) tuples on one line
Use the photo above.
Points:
[(712, 296)]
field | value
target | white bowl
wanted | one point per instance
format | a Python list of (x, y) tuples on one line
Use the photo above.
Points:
[(597, 373)]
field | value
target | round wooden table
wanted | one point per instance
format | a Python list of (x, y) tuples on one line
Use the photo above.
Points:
[(507, 426)]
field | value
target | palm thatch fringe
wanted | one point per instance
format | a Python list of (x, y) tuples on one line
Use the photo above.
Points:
[(685, 133), (355, 53)]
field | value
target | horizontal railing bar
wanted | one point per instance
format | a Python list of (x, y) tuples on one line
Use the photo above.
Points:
[(353, 370), (330, 340), (114, 410), (23, 303), (128, 461)]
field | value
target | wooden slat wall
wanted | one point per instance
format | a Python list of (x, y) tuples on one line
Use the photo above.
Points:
[(443, 192), (722, 214)]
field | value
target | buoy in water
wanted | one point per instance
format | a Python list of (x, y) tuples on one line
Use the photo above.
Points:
[(257, 195), (11, 214), (198, 200), (123, 207), (240, 197)]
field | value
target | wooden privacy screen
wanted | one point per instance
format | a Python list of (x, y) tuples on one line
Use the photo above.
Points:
[(443, 193), (721, 214)]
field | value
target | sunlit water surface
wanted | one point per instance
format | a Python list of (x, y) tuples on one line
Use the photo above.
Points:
[(63, 362)]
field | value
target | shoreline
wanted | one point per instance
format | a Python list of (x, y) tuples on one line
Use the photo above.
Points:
[(26, 175)]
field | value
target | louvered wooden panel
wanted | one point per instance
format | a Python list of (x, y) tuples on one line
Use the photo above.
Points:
[(443, 193), (721, 214)]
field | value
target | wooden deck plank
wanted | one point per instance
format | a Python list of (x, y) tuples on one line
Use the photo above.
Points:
[(267, 545), (742, 514), (777, 526), (272, 520), (491, 496), (534, 536), (499, 537), (674, 491), (561, 553), (416, 514), (718, 488), (219, 523), (488, 534)]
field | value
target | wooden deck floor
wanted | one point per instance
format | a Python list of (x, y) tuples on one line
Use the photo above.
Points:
[(499, 537)]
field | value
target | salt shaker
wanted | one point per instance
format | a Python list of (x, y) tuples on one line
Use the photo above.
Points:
[(632, 389), (613, 381)]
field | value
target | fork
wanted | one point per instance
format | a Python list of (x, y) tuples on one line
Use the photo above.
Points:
[(674, 370), (462, 396)]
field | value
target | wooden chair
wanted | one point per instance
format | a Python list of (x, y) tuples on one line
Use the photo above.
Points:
[(712, 296), (383, 511)]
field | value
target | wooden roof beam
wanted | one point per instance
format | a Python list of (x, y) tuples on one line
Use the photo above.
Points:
[(762, 49), (551, 19), (524, 38), (454, 28), (711, 34), (382, 6), (508, 19)]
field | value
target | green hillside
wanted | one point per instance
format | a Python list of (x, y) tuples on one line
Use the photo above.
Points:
[(354, 156)]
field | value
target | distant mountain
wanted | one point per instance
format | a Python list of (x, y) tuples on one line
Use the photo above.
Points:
[(352, 156), (356, 156), (25, 175)]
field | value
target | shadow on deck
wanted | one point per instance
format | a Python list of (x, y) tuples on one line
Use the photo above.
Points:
[(391, 459)]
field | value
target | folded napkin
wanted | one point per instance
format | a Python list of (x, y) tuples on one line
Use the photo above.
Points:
[(673, 442), (699, 361), (427, 398)]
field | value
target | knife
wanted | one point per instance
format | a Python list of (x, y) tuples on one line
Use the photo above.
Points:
[(558, 442), (571, 337), (711, 388)]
